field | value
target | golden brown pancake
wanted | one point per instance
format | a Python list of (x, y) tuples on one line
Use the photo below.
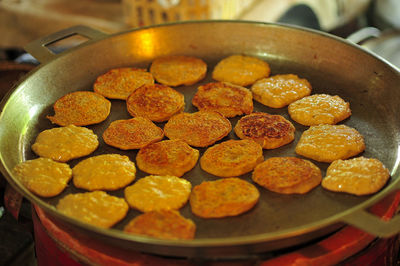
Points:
[(80, 108), (287, 175), (199, 129), (42, 176), (62, 144), (175, 70), (270, 131), (155, 102), (358, 176), (155, 193), (280, 90), (241, 70), (228, 99), (96, 208), (319, 109), (118, 83), (232, 158), (133, 133), (164, 224), (326, 143), (104, 172), (168, 157), (224, 197)]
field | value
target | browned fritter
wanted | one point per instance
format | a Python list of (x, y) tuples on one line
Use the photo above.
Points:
[(164, 224), (225, 98), (118, 83), (270, 131), (287, 175), (133, 133), (280, 90), (358, 176), (232, 158), (199, 129), (95, 208), (224, 197), (326, 143), (155, 102), (80, 108), (241, 70), (168, 157), (175, 70), (43, 176)]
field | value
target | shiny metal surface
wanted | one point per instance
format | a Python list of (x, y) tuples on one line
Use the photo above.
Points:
[(332, 65)]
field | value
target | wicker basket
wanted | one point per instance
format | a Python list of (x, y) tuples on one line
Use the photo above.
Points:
[(148, 12)]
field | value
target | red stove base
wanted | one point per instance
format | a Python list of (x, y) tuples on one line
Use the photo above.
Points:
[(349, 246)]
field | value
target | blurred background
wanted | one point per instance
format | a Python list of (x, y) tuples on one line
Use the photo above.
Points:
[(375, 24)]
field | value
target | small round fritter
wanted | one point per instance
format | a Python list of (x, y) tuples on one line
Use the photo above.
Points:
[(225, 98), (96, 208), (80, 108), (43, 177), (199, 129), (154, 193), (319, 109), (326, 143), (104, 172), (241, 70), (358, 176), (133, 133), (65, 143), (168, 157), (164, 224), (118, 83), (232, 158), (178, 70), (224, 197), (287, 175), (270, 131), (155, 102), (280, 90)]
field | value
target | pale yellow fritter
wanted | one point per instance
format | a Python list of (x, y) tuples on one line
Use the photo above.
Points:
[(280, 90), (232, 158), (199, 129), (175, 70), (65, 143), (326, 143), (96, 208), (241, 70), (358, 176), (133, 133), (104, 172), (224, 197), (287, 175), (155, 193), (118, 83), (42, 176), (80, 108), (319, 109), (225, 98), (155, 102), (168, 157), (164, 224), (270, 131)]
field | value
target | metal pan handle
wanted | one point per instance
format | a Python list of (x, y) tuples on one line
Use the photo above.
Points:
[(40, 50), (385, 226)]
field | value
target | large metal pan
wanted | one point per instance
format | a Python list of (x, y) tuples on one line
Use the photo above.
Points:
[(331, 64)]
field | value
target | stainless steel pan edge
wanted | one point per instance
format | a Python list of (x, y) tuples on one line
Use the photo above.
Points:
[(207, 247)]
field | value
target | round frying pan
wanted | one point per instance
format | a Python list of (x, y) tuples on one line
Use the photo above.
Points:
[(332, 65)]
